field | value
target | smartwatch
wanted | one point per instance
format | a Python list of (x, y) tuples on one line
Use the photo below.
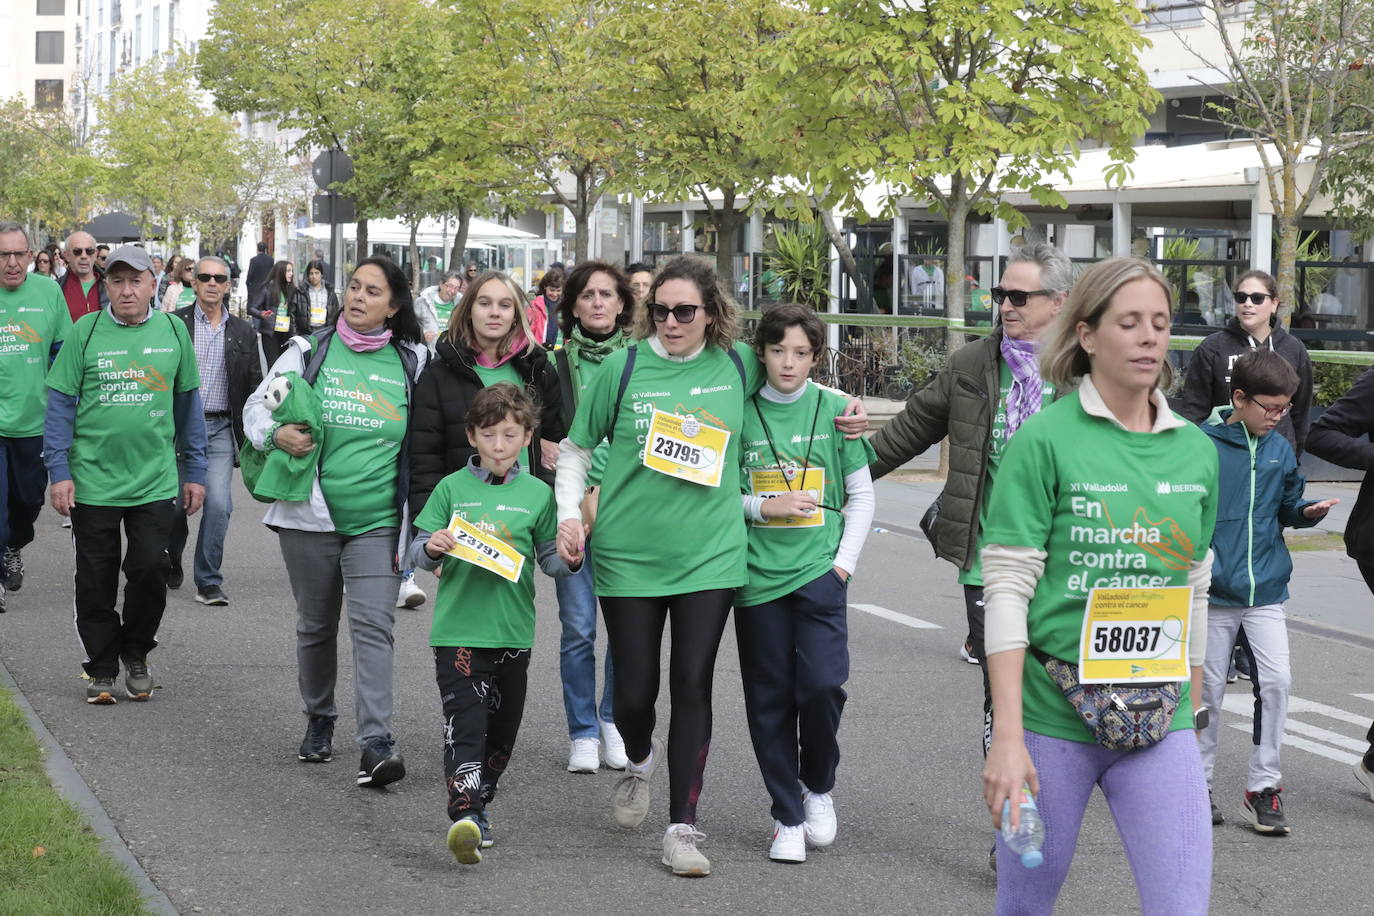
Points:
[(1201, 716)]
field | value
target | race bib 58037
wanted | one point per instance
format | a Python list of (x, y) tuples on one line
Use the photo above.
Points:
[(1135, 634)]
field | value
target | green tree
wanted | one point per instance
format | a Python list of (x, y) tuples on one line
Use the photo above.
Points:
[(955, 103), (684, 71), (48, 176), (1299, 84), (171, 157)]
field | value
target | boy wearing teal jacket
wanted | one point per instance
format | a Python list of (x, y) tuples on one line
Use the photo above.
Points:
[(1259, 492)]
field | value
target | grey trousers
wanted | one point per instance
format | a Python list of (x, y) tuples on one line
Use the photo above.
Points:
[(320, 565)]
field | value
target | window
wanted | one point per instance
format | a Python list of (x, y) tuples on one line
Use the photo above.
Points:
[(49, 47), (47, 93), (138, 39), (52, 7), (113, 60), (1172, 12), (171, 24), (156, 45)]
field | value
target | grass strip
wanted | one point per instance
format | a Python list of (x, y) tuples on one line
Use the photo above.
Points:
[(50, 860)]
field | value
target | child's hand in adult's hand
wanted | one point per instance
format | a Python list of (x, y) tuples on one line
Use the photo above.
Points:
[(1319, 510), (440, 543), (572, 540)]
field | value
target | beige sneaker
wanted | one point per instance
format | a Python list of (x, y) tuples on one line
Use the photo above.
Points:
[(630, 797), (680, 851)]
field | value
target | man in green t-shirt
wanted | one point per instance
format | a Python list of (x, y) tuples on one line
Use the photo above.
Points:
[(33, 322), (124, 406)]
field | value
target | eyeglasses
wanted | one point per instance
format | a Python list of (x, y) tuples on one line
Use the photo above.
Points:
[(1273, 413), (1255, 298), (216, 278), (12, 256), (685, 314), (80, 251), (1018, 297)]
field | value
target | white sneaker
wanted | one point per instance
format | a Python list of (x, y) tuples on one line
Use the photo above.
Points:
[(584, 757), (613, 747), (411, 595), (1366, 777), (66, 521), (680, 851), (630, 794), (789, 843), (820, 817)]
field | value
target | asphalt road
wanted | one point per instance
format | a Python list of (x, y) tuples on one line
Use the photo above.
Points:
[(204, 786)]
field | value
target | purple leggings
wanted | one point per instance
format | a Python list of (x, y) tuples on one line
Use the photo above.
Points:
[(1158, 799)]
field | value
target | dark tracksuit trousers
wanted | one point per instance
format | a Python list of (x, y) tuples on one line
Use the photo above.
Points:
[(794, 661), (483, 692), (23, 479), (95, 530)]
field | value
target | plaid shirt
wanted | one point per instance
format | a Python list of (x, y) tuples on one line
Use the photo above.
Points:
[(214, 381)]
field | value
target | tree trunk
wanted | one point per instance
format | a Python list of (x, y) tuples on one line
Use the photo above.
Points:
[(414, 255), (954, 265), (727, 221), (1287, 278), (847, 260), (582, 209), (361, 240), (460, 238)]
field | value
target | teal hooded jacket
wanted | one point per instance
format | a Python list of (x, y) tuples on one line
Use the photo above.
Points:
[(1259, 492)]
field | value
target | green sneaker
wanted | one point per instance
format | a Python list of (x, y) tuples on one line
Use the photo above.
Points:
[(100, 691), (138, 680), (465, 841)]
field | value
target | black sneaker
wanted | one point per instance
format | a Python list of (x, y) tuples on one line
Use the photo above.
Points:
[(1265, 811), (484, 823), (175, 576), (14, 569), (318, 746), (1217, 817), (2, 599), (381, 765), (211, 595), (1241, 662)]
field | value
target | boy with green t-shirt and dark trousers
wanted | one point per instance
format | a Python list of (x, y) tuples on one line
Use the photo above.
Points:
[(1259, 491), (482, 530)]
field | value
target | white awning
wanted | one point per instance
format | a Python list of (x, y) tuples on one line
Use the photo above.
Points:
[(432, 234)]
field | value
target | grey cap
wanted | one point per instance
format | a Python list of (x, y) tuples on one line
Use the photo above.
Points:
[(134, 256)]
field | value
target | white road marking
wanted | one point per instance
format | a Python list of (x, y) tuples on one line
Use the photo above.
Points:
[(1297, 704), (1364, 696), (1311, 747), (905, 620), (1243, 705)]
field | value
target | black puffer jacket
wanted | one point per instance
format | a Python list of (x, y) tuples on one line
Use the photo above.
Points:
[(438, 435), (1341, 436), (1209, 377)]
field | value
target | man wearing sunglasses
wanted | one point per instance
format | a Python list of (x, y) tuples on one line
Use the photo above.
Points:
[(230, 358), (81, 285)]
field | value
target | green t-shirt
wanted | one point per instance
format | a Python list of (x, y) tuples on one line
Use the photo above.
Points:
[(443, 311), (506, 373), (1113, 509), (781, 560), (658, 535), (124, 376), (363, 410), (32, 319), (476, 607), (583, 371), (186, 297), (86, 287), (996, 445)]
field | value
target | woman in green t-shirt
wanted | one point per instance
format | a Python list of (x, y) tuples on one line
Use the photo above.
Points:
[(345, 540), (1105, 488)]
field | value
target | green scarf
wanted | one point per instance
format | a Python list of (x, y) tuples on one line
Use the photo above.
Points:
[(581, 348)]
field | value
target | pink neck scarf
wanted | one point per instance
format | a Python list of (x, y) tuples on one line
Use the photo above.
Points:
[(518, 344), (362, 343)]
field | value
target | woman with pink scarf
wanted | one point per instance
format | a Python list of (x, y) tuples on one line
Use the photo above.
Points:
[(341, 545), (487, 340)]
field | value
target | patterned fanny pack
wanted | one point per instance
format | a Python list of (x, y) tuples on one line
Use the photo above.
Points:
[(1121, 717)]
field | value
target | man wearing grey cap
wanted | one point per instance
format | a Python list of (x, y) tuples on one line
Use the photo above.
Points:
[(124, 405)]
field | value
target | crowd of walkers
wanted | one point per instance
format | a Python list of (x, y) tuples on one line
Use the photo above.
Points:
[(621, 432)]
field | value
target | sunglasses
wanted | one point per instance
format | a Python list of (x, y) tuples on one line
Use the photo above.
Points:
[(83, 251), (685, 314), (1255, 298), (1273, 413), (217, 278), (1018, 297)]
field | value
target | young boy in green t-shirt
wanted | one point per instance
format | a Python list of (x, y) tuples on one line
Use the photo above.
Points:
[(481, 529)]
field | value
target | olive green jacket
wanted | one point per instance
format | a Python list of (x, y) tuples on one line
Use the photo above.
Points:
[(959, 403)]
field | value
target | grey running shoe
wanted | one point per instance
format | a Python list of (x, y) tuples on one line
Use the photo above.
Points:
[(680, 852), (100, 691), (212, 595), (630, 797), (138, 680), (14, 569)]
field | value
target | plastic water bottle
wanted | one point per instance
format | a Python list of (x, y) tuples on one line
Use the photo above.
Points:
[(1027, 840)]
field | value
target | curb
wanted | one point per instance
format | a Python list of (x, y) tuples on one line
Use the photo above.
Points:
[(69, 784)]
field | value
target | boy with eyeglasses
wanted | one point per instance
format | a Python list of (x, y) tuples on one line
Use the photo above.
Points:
[(1259, 492)]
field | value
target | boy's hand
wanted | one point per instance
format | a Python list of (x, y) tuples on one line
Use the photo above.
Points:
[(572, 540), (440, 543), (796, 504), (1318, 510)]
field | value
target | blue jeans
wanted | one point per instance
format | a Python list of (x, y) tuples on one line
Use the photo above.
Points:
[(577, 654), (214, 515)]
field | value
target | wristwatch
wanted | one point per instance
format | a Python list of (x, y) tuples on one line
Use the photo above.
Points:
[(1201, 716)]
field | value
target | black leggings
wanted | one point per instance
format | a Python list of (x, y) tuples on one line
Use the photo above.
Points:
[(634, 628), (1367, 570)]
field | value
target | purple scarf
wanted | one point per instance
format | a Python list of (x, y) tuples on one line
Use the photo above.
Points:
[(1023, 400), (362, 343)]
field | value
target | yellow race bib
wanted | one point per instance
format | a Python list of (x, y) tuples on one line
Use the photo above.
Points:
[(485, 550), (685, 448), (283, 320), (1135, 634), (770, 483), (317, 315)]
